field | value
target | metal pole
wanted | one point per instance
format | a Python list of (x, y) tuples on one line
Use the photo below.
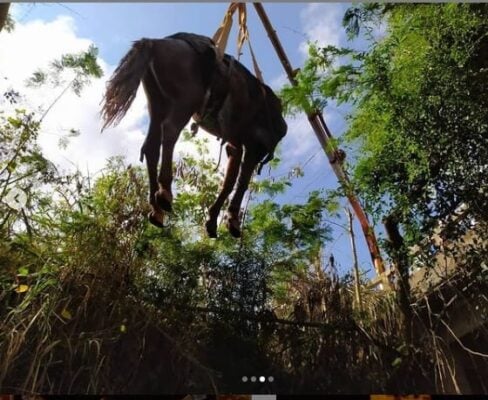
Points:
[(323, 135)]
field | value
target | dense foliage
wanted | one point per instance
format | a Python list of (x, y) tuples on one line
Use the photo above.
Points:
[(418, 126), (420, 109), (95, 299), (86, 280), (102, 287)]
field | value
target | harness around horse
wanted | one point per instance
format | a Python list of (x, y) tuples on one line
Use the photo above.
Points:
[(212, 104)]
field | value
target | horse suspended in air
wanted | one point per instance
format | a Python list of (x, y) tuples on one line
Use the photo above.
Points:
[(183, 77)]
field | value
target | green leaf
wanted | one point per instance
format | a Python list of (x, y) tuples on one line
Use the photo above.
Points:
[(396, 362)]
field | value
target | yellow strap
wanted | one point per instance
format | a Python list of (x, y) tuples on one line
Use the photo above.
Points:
[(257, 71), (221, 36), (243, 34)]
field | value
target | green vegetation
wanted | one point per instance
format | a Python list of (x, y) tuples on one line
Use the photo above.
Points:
[(421, 111), (95, 299), (419, 122)]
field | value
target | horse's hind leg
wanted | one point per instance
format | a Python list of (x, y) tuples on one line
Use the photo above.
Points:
[(172, 127), (151, 149), (252, 156), (164, 196), (234, 155)]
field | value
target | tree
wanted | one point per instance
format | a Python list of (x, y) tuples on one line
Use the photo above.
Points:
[(421, 113), (419, 120), (5, 21), (89, 282)]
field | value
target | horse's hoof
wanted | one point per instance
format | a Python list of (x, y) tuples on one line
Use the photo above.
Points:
[(211, 228), (234, 229), (154, 220), (163, 202)]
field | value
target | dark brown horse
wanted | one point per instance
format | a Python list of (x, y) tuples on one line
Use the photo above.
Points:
[(183, 77)]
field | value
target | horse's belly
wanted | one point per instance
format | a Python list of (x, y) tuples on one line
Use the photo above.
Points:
[(210, 125)]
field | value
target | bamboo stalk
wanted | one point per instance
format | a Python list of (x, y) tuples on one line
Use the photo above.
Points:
[(324, 136), (4, 7), (357, 285)]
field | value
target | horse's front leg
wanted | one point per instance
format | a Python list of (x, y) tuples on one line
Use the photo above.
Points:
[(252, 156), (234, 154)]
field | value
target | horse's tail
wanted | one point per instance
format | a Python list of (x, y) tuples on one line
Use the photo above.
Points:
[(122, 86)]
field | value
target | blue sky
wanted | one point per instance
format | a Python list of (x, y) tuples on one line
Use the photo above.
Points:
[(55, 28)]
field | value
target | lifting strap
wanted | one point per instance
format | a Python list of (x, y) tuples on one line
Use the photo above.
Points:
[(221, 36)]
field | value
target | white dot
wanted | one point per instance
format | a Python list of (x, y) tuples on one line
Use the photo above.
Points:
[(270, 379), (253, 379), (262, 379), (244, 379)]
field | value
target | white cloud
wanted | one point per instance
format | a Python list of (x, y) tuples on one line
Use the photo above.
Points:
[(278, 82), (41, 42), (322, 24), (34, 45), (301, 141)]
